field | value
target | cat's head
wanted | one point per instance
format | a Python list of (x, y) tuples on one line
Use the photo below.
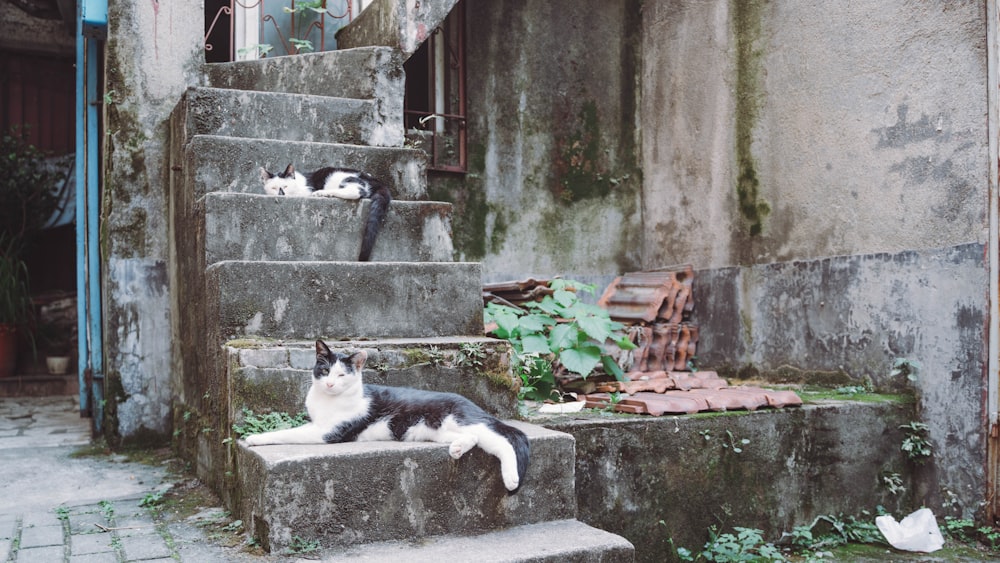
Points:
[(335, 373), (282, 182)]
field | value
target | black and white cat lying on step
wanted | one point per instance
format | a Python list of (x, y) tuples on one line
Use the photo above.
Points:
[(344, 409), (343, 183)]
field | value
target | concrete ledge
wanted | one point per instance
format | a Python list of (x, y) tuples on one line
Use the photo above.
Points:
[(233, 164), (270, 377), (342, 300), (258, 227), (559, 541), (799, 463), (364, 492)]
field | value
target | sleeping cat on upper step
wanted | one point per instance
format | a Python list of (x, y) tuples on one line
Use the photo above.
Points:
[(343, 183), (344, 409)]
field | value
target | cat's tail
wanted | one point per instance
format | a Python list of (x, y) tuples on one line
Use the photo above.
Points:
[(519, 441), (380, 199)]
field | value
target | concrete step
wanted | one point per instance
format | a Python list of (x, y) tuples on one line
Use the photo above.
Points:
[(266, 376), (342, 300), (366, 492), (282, 116), (370, 73), (557, 541), (260, 227), (232, 164), (364, 73), (396, 23)]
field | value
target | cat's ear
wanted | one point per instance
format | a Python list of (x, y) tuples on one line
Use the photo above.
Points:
[(289, 171), (358, 359), (322, 350), (265, 175)]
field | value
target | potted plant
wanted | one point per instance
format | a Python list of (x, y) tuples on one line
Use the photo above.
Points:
[(55, 341), (30, 193), (16, 311)]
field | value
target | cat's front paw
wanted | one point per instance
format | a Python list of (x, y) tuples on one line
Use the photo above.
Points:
[(254, 440), (460, 446)]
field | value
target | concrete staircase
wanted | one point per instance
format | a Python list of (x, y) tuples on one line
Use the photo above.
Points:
[(259, 277)]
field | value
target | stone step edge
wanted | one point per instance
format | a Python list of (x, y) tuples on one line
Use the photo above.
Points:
[(402, 169), (391, 353), (250, 195), (416, 153), (555, 540), (354, 103), (429, 492)]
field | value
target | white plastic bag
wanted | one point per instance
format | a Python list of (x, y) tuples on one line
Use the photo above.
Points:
[(917, 532)]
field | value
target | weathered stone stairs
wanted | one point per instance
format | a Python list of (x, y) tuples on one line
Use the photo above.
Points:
[(259, 277)]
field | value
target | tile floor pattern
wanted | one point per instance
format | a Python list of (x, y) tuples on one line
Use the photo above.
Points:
[(32, 422), (107, 532), (116, 529)]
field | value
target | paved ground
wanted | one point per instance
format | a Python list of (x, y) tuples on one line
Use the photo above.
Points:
[(59, 506)]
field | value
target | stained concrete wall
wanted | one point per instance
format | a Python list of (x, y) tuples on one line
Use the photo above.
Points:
[(153, 52), (828, 176), (777, 131), (553, 183)]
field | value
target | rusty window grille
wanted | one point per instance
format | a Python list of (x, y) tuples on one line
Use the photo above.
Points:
[(251, 29), (434, 107)]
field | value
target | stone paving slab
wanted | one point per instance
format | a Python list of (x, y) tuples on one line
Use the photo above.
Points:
[(62, 508)]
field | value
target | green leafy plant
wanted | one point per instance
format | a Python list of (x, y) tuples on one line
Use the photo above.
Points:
[(747, 544), (964, 530), (733, 443), (832, 531), (905, 367), (256, 423), (30, 190), (302, 45), (471, 355), (559, 329), (261, 49), (960, 529), (916, 443), (893, 482), (15, 297), (152, 500), (107, 509), (301, 545)]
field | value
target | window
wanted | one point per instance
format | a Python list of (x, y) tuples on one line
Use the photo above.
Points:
[(434, 106)]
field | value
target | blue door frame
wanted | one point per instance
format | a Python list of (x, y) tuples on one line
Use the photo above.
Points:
[(91, 26)]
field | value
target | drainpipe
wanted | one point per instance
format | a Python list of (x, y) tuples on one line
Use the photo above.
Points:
[(91, 28)]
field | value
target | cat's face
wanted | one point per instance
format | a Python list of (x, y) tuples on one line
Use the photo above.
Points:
[(334, 373), (288, 182)]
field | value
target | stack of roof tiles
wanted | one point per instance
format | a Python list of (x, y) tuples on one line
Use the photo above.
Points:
[(660, 377), (657, 307)]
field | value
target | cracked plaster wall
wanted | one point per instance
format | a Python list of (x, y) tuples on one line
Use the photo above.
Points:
[(153, 52)]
